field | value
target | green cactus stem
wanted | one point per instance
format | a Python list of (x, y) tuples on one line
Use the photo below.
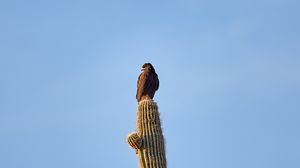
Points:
[(148, 141)]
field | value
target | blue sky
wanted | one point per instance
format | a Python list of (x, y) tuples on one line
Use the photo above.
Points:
[(229, 81)]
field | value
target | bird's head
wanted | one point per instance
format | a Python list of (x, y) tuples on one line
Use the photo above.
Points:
[(148, 67)]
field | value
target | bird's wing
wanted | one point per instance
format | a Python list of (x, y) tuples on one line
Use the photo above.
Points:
[(140, 85), (156, 82)]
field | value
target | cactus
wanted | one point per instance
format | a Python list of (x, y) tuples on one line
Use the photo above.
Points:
[(148, 141)]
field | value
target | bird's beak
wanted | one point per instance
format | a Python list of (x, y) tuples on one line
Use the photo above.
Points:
[(142, 69)]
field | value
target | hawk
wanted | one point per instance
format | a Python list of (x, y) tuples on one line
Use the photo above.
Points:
[(147, 83)]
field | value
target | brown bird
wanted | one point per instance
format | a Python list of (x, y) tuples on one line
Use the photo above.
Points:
[(147, 83)]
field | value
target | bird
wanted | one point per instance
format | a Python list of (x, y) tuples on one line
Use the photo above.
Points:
[(147, 83)]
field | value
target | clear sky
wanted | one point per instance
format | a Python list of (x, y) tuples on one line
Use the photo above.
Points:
[(229, 81)]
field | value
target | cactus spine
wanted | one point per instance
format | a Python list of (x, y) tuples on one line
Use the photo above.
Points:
[(148, 139)]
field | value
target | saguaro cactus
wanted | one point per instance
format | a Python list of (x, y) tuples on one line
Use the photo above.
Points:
[(148, 141)]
